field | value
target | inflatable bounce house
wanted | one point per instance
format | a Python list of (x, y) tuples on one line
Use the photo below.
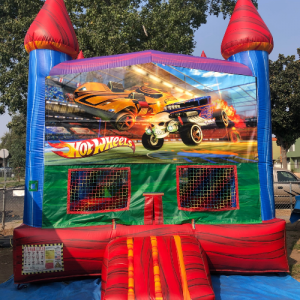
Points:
[(149, 169)]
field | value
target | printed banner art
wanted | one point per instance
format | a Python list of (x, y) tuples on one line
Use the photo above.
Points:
[(150, 113)]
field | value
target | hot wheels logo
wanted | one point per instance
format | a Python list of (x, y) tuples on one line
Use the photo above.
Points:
[(92, 147)]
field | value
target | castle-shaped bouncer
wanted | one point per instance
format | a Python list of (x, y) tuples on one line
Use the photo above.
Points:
[(149, 169)]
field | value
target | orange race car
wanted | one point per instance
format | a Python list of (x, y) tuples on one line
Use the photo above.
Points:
[(112, 103)]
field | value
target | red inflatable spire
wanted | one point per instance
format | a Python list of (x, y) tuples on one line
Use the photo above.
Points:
[(203, 54), (52, 29), (80, 55), (246, 31)]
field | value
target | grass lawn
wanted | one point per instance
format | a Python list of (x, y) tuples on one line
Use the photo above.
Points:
[(11, 182)]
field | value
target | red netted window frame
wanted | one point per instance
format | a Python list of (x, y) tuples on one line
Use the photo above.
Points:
[(69, 211), (178, 168)]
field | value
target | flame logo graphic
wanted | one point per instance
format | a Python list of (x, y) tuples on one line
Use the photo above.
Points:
[(86, 148)]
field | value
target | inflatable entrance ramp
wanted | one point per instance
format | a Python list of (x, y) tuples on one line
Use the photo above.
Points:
[(156, 267)]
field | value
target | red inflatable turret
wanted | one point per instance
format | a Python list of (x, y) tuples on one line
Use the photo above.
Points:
[(52, 29), (246, 31), (80, 55), (203, 54)]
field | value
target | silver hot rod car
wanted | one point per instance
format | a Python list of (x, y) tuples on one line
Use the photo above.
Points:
[(187, 118)]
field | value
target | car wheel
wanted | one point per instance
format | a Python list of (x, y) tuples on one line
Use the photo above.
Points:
[(124, 121), (191, 134), (221, 118), (150, 142)]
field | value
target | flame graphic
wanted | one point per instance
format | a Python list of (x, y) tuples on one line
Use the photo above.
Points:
[(230, 111)]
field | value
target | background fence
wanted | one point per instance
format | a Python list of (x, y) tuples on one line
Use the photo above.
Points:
[(11, 210), (9, 173), (12, 174), (285, 193)]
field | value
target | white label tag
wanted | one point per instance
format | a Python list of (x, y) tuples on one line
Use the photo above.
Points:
[(42, 258)]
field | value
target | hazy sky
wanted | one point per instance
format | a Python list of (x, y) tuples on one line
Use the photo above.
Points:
[(282, 20), (280, 16)]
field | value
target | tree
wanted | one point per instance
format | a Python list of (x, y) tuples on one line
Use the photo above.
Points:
[(16, 17), (103, 27), (285, 101), (14, 141), (111, 26)]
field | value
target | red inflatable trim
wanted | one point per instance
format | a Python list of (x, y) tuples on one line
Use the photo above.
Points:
[(235, 248), (203, 54), (194, 257), (115, 271), (158, 210), (246, 31), (52, 29), (153, 207), (80, 55), (148, 210)]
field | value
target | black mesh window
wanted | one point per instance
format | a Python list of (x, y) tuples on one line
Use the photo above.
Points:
[(98, 190)]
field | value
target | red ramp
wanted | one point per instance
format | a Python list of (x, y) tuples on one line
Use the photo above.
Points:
[(156, 267)]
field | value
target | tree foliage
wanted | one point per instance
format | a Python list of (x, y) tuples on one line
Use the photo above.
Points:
[(285, 101), (224, 7), (103, 27), (16, 17)]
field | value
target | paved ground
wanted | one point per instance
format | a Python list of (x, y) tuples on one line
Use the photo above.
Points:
[(292, 242), (6, 264), (293, 249)]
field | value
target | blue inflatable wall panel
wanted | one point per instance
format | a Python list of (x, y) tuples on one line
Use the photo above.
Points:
[(258, 62), (40, 64)]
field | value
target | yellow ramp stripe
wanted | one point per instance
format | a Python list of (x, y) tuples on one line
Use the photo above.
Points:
[(130, 269), (186, 293), (157, 283)]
